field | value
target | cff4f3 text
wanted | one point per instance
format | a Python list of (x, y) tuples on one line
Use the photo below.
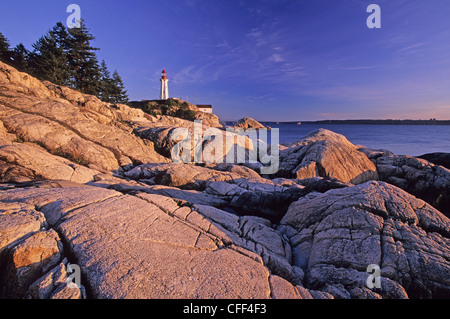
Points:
[(233, 308)]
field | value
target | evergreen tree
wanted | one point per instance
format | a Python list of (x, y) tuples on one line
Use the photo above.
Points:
[(19, 58), (106, 84), (119, 93), (4, 49), (66, 57), (61, 36), (83, 63), (49, 59)]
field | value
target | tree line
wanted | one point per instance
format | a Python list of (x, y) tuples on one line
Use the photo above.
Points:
[(66, 57)]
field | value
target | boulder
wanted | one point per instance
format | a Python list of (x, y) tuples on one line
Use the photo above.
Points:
[(53, 285), (86, 130), (326, 154), (442, 159), (257, 235), (195, 142), (246, 123), (418, 177), (335, 236), (209, 119), (26, 261), (372, 153), (256, 196), (243, 171)]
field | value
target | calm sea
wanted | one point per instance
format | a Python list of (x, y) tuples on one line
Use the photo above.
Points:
[(411, 140)]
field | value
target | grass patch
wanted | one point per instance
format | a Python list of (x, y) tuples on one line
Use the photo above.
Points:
[(72, 155)]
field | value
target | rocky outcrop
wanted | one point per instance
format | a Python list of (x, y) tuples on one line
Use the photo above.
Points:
[(90, 185), (197, 143), (326, 154), (101, 136), (335, 236), (148, 246), (248, 123), (244, 195), (21, 162), (442, 159), (227, 186), (68, 123), (178, 109), (54, 285), (416, 176), (57, 139), (27, 260), (30, 249), (209, 119), (179, 175), (5, 137)]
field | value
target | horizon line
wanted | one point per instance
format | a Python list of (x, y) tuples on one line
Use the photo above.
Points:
[(309, 121)]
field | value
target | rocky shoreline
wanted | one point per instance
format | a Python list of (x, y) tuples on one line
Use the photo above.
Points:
[(90, 184)]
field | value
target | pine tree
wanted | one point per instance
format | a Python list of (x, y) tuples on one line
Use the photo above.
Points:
[(49, 60), (65, 57), (83, 63), (19, 58), (4, 49), (119, 93), (106, 84), (61, 36)]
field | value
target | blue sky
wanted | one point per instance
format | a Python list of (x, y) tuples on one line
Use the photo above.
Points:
[(277, 60)]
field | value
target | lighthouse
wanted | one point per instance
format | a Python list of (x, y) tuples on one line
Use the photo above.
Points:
[(164, 95)]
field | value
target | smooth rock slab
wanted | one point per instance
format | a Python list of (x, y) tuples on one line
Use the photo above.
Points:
[(26, 162), (129, 248), (151, 246)]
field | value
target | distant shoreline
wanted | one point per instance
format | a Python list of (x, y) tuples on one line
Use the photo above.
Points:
[(369, 122)]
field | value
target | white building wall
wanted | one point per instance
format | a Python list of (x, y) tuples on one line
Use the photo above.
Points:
[(206, 110), (164, 95)]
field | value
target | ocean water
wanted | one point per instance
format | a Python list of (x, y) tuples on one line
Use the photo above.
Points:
[(411, 140)]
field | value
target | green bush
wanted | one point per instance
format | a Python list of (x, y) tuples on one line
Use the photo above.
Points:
[(190, 115), (185, 114)]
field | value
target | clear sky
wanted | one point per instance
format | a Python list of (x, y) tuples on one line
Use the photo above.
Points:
[(273, 60)]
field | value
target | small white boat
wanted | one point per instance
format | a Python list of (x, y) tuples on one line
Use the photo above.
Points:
[(299, 123)]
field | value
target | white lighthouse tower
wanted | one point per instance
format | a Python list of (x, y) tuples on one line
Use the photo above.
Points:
[(164, 95)]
